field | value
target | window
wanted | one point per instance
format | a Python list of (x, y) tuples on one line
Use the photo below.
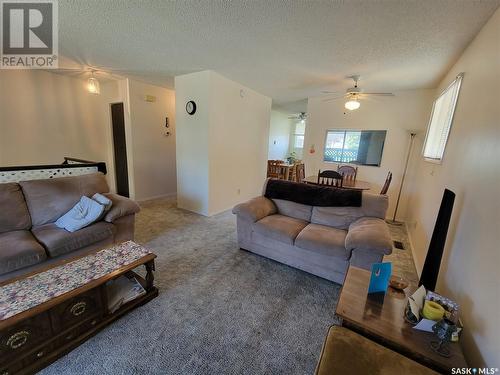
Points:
[(362, 147), (297, 143), (440, 122)]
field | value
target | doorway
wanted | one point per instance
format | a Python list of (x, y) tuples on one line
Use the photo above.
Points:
[(120, 149)]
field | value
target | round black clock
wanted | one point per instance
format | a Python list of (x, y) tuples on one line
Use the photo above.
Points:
[(191, 107)]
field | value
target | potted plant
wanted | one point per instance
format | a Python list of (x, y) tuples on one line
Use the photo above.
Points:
[(292, 158)]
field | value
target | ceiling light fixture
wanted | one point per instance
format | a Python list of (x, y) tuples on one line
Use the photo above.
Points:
[(352, 104), (93, 85)]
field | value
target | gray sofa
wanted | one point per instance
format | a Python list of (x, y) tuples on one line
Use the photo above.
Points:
[(30, 240), (323, 241)]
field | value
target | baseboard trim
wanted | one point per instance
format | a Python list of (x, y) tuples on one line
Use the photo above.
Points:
[(417, 266), (169, 195)]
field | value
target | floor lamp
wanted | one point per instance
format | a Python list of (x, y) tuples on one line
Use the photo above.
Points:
[(412, 138)]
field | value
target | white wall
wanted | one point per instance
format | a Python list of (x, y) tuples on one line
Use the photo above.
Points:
[(153, 152), (46, 116), (222, 148), (406, 111), (279, 135), (239, 133), (471, 168), (192, 142)]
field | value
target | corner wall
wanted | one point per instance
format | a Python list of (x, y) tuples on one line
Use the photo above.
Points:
[(471, 168), (45, 116), (222, 148)]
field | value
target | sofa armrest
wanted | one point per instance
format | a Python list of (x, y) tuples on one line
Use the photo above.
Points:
[(255, 209), (369, 234), (121, 207)]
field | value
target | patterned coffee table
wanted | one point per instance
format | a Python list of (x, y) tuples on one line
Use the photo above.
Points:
[(45, 315)]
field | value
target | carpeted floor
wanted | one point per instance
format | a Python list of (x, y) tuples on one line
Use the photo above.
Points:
[(220, 310)]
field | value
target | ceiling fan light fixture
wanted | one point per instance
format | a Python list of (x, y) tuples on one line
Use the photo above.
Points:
[(352, 104), (93, 85)]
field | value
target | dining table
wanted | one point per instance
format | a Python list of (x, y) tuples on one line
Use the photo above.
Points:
[(346, 184), (287, 169)]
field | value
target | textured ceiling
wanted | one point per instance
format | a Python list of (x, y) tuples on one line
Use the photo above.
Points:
[(286, 49)]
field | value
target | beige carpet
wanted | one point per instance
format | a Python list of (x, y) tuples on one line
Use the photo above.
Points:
[(220, 310)]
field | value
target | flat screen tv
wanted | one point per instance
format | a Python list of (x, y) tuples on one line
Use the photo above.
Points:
[(363, 147)]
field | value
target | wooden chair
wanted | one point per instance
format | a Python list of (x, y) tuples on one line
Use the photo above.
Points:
[(330, 178), (275, 169), (387, 182), (348, 173), (299, 172)]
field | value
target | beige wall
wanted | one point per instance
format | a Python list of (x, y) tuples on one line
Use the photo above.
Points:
[(192, 142), (406, 111), (222, 148), (279, 135), (153, 151), (471, 168), (46, 116), (239, 134)]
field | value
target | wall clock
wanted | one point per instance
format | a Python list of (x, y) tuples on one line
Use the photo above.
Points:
[(191, 107)]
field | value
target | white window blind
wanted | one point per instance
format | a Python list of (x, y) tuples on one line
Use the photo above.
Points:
[(440, 122)]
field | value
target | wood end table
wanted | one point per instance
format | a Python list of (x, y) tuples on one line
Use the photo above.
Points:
[(381, 319)]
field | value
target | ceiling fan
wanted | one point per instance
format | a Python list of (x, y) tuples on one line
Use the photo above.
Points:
[(354, 94), (301, 116)]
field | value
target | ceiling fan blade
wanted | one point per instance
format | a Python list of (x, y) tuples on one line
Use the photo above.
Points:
[(330, 99), (330, 92), (379, 93)]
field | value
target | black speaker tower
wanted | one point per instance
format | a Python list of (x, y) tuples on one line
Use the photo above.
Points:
[(430, 272)]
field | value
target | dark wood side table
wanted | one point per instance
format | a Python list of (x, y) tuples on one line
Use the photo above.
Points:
[(381, 319)]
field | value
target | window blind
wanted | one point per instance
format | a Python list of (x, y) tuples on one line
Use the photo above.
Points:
[(440, 122)]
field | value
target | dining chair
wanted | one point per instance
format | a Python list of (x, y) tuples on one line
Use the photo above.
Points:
[(348, 172), (275, 169), (387, 182), (330, 178), (299, 172)]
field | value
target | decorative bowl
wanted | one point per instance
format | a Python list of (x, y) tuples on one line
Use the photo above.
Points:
[(398, 282)]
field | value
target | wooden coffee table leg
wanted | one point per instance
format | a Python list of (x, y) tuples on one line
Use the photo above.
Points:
[(150, 267)]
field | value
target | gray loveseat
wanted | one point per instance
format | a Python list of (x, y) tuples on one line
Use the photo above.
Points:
[(30, 240), (323, 241)]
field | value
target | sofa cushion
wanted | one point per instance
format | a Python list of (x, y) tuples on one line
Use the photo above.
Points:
[(59, 241), (19, 249), (323, 239), (122, 206), (15, 214), (49, 199), (373, 205), (292, 209), (369, 234), (279, 227)]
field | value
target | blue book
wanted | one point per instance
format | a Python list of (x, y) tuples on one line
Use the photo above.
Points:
[(379, 280)]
